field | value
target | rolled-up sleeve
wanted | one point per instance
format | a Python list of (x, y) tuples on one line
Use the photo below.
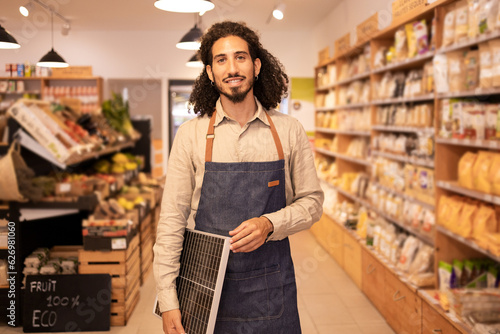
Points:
[(305, 205), (175, 210)]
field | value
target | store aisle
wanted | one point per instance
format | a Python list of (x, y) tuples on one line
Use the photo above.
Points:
[(329, 302)]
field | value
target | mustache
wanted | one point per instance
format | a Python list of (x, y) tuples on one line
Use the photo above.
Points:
[(237, 75)]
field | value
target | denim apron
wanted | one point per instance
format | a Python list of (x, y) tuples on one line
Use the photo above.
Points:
[(259, 294)]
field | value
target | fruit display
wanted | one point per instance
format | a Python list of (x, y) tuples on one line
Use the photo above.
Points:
[(117, 114)]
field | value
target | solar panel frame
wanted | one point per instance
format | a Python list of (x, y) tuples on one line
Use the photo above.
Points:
[(203, 265)]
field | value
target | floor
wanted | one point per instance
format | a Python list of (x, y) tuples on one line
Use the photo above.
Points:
[(329, 302)]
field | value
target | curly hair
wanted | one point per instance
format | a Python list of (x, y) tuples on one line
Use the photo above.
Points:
[(269, 89)]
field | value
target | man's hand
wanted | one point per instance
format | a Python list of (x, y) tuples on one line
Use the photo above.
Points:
[(250, 235), (172, 322)]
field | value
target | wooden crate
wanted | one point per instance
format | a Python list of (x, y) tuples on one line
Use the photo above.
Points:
[(125, 270), (146, 246)]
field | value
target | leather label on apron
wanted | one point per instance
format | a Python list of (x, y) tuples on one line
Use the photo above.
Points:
[(273, 183)]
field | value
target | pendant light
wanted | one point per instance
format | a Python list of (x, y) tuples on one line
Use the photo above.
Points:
[(52, 58), (191, 40), (279, 11), (7, 41), (25, 9), (194, 62), (185, 6)]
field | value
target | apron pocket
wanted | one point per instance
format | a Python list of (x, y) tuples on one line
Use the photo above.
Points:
[(250, 296)]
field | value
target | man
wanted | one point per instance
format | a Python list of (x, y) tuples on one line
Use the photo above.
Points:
[(244, 170)]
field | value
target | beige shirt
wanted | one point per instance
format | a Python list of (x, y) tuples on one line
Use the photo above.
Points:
[(233, 143)]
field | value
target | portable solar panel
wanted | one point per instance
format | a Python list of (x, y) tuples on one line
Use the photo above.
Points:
[(203, 266)]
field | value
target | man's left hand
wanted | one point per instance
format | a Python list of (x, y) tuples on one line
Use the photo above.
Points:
[(250, 235)]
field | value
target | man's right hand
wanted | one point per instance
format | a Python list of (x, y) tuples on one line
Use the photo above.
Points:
[(172, 322)]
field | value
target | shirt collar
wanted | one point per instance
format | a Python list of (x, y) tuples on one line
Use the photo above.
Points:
[(260, 113)]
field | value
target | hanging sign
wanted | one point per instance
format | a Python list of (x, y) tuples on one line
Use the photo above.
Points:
[(67, 303), (324, 56), (403, 7), (367, 28), (342, 44)]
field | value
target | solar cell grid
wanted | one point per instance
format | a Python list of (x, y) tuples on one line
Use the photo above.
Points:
[(203, 265)]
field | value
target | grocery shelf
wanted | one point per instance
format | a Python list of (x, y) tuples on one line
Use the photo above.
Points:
[(470, 93), (359, 161), (354, 105), (407, 197), (87, 203), (407, 129), (21, 93), (406, 159), (421, 98), (425, 238), (325, 108), (353, 78), (408, 63), (325, 88), (455, 187), (344, 132), (467, 242), (481, 143), (469, 42)]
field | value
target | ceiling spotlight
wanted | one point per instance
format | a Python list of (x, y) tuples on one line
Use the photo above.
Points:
[(66, 27), (25, 10), (191, 40), (185, 6), (279, 11), (7, 41), (195, 62)]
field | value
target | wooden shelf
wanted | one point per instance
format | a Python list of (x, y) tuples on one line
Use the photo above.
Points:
[(406, 64), (471, 93), (354, 105), (359, 161), (469, 42), (407, 197), (344, 132), (486, 144), (325, 88), (421, 98), (326, 108), (407, 129), (427, 297), (467, 242), (21, 93), (455, 187), (405, 159), (360, 76)]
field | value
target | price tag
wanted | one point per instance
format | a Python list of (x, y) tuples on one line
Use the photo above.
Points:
[(112, 187), (118, 243), (488, 198), (64, 187)]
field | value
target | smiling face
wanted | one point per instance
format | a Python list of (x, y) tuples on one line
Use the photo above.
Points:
[(232, 69)]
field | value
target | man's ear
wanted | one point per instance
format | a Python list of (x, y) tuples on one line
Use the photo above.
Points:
[(257, 64), (208, 69)]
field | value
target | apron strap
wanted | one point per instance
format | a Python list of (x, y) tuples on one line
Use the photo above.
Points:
[(211, 136)]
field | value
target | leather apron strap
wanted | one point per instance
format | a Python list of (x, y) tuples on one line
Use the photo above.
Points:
[(211, 136)]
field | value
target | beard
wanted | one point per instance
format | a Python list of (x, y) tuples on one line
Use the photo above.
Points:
[(237, 94)]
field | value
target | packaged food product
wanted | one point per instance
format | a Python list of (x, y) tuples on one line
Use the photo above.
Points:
[(432, 42), (487, 15), (491, 114), (422, 36), (494, 176), (429, 222), (440, 64), (461, 20), (495, 61), (473, 28), (481, 171), (449, 28), (423, 260), (465, 222), (485, 222), (474, 120), (465, 170), (408, 252), (485, 66), (456, 71), (446, 119), (401, 46), (457, 122), (411, 40), (456, 274), (455, 212), (471, 69), (444, 272)]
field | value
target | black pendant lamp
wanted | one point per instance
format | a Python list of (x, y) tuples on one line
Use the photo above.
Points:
[(194, 62), (52, 58), (191, 40), (7, 41)]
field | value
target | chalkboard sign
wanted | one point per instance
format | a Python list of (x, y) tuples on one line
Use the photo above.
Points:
[(67, 303)]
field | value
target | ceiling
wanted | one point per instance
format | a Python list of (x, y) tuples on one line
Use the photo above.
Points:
[(300, 15)]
